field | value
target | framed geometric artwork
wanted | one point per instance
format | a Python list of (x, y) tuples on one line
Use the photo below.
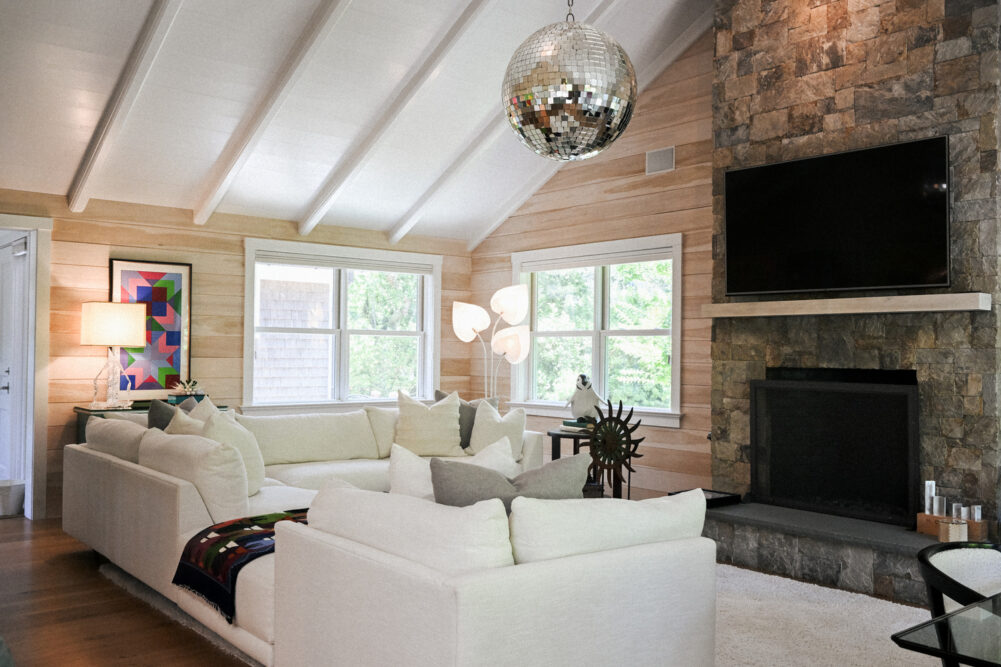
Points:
[(165, 287)]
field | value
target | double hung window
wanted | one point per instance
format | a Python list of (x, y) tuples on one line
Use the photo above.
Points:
[(609, 310), (327, 324)]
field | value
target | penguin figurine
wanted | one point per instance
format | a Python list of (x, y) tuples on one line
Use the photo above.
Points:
[(584, 402)]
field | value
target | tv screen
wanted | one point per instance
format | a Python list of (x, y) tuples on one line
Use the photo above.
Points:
[(868, 219)]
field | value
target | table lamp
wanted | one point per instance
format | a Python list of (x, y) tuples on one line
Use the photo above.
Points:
[(112, 325)]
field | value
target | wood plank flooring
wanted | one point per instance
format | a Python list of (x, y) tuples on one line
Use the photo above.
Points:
[(57, 609)]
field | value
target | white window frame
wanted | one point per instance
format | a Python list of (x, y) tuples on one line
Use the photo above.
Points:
[(625, 251), (343, 257)]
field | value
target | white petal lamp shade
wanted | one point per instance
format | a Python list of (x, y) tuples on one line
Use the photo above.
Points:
[(513, 343), (468, 320), (511, 303), (113, 324)]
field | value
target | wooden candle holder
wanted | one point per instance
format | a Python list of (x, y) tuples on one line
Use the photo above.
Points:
[(976, 531)]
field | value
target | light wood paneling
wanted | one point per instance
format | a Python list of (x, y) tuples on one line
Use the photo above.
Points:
[(610, 197), (82, 245)]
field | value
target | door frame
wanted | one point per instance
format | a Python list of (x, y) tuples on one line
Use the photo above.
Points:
[(39, 234)]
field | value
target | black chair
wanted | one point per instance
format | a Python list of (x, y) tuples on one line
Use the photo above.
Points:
[(964, 572)]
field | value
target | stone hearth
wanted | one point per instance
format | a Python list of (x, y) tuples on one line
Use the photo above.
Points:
[(803, 78)]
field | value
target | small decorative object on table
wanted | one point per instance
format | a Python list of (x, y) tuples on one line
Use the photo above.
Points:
[(186, 389), (613, 447), (585, 402)]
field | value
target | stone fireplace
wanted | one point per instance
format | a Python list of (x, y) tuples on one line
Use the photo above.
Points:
[(799, 78)]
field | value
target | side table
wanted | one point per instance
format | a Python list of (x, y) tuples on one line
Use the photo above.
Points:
[(83, 413), (593, 488)]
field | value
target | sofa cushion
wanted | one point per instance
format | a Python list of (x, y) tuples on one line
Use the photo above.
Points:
[(183, 424), (371, 474), (116, 437), (221, 428), (546, 529), (279, 499), (450, 539), (188, 404), (410, 474), (202, 410), (383, 422), (313, 437), (141, 418), (467, 415), (490, 427), (460, 485), (160, 414), (216, 469), (429, 431)]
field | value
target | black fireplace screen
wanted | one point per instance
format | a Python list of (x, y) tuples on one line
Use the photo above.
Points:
[(845, 446)]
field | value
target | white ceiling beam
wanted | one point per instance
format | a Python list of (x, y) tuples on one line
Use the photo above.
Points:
[(243, 141), (357, 155), (116, 112), (484, 137)]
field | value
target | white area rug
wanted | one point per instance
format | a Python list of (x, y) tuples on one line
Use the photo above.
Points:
[(772, 621)]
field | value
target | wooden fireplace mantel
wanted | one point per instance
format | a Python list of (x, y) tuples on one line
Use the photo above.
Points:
[(912, 303)]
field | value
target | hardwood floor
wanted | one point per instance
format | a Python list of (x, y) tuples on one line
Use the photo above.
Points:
[(57, 609)]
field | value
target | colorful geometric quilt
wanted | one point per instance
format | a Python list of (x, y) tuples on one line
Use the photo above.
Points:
[(213, 558), (158, 364)]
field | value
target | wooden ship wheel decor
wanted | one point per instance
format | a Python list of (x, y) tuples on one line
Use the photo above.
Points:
[(613, 447)]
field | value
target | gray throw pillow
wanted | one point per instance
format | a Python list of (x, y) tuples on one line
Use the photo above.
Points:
[(460, 484), (160, 414), (188, 404), (467, 415)]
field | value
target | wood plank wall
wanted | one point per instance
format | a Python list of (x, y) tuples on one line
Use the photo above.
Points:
[(610, 197), (82, 245)]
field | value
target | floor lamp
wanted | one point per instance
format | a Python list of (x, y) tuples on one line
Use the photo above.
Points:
[(112, 325), (510, 343)]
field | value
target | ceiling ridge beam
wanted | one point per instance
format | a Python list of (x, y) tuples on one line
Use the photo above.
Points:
[(116, 112), (361, 151), (514, 202), (486, 133), (246, 137), (674, 49)]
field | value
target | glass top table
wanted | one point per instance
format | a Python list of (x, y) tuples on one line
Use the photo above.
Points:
[(968, 636)]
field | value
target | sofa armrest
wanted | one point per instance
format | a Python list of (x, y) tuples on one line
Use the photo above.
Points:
[(531, 452), (131, 514), (652, 604)]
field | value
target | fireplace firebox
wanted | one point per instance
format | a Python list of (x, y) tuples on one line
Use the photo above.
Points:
[(838, 441)]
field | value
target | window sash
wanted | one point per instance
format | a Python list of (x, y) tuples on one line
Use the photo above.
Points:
[(339, 259)]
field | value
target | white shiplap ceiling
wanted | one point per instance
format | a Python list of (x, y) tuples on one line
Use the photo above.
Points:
[(379, 114)]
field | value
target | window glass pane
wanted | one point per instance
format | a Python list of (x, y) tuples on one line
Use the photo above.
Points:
[(380, 365), (565, 300), (640, 295), (382, 301), (639, 370), (291, 368), (289, 295), (558, 360)]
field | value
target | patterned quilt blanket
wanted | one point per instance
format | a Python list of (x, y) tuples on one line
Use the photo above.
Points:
[(213, 558)]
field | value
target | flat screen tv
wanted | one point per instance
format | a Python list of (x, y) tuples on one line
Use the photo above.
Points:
[(867, 219)]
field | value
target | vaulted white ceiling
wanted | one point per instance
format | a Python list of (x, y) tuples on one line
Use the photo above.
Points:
[(379, 114)]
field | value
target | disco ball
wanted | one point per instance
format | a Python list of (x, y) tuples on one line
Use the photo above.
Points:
[(569, 91)]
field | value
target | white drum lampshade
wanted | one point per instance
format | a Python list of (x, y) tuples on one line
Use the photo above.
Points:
[(113, 324)]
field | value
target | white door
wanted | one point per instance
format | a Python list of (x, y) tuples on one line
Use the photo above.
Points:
[(13, 359)]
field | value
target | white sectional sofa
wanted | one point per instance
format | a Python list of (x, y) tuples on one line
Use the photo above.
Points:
[(139, 500)]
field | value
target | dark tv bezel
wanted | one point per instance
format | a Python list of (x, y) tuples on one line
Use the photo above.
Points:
[(948, 226)]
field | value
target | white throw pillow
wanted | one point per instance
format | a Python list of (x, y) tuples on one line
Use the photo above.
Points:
[(489, 427), (410, 474), (546, 529), (313, 437), (118, 437), (222, 429), (450, 539), (383, 422), (204, 409), (429, 431), (216, 469), (141, 418), (183, 424)]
